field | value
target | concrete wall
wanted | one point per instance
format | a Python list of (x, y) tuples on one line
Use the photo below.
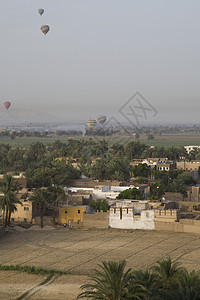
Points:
[(124, 218), (96, 220)]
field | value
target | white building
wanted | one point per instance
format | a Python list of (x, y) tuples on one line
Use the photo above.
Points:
[(131, 214)]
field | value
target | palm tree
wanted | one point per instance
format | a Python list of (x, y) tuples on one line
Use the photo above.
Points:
[(148, 281), (56, 192), (12, 208), (167, 272), (186, 288), (41, 197), (8, 183), (111, 282), (7, 202)]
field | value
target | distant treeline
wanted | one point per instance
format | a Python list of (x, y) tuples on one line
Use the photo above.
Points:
[(59, 162)]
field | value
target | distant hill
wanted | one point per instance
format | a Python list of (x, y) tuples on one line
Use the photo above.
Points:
[(13, 117)]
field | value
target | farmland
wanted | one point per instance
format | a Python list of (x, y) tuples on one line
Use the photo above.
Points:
[(169, 140), (78, 252)]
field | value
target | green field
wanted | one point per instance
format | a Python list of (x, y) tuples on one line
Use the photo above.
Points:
[(160, 141), (173, 140), (26, 141)]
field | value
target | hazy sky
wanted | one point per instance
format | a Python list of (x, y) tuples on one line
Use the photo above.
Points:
[(98, 53)]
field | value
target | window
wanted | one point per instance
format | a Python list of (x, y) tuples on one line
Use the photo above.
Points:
[(79, 211), (13, 219), (26, 208), (120, 213), (25, 220), (65, 211)]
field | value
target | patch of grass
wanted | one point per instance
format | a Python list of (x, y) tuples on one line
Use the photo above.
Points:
[(32, 270)]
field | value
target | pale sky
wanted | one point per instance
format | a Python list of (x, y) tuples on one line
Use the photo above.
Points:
[(98, 54)]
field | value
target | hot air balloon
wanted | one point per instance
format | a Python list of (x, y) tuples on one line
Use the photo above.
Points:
[(102, 120), (7, 104), (45, 29), (91, 123), (41, 11)]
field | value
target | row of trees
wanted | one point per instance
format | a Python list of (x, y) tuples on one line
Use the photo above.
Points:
[(164, 280), (85, 149), (95, 159)]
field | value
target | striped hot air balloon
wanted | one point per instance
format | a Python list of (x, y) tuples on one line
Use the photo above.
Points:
[(45, 29), (91, 123), (41, 11), (102, 120)]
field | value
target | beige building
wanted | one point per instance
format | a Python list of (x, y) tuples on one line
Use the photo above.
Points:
[(188, 165), (25, 212)]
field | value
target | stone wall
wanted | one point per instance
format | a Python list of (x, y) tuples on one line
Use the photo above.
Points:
[(184, 225), (168, 215), (85, 183), (173, 196), (96, 220), (188, 166)]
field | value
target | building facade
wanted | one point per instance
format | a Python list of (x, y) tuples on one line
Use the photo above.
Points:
[(131, 215)]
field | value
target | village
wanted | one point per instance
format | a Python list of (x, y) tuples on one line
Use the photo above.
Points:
[(102, 204)]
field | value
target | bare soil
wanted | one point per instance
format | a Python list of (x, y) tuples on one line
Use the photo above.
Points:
[(79, 252)]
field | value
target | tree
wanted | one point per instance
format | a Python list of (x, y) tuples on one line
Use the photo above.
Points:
[(134, 149), (36, 152), (141, 170), (99, 169), (8, 205), (56, 192), (111, 282), (118, 168), (186, 178), (8, 186), (150, 136), (41, 197), (176, 186), (131, 194), (187, 287), (137, 135), (147, 280), (167, 272), (157, 189), (100, 204)]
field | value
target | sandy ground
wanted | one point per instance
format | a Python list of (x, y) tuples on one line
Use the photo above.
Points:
[(79, 252)]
